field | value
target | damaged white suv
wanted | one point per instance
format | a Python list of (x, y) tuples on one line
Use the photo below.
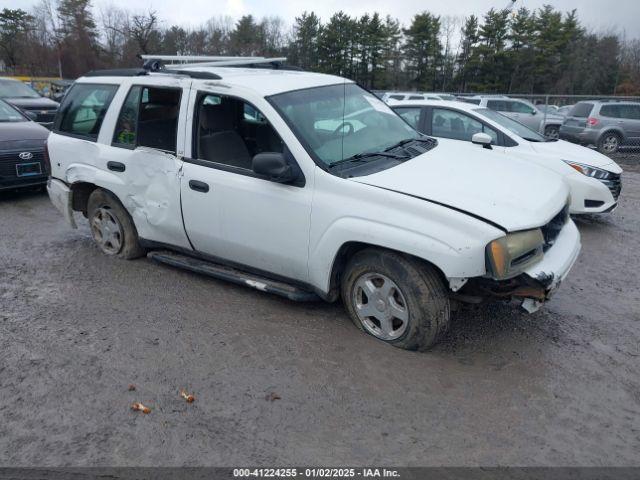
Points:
[(306, 185)]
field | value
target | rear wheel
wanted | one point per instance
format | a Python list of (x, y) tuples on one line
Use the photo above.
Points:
[(552, 132), (397, 299), (111, 226), (609, 143)]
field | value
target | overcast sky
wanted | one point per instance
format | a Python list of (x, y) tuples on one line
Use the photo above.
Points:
[(621, 16)]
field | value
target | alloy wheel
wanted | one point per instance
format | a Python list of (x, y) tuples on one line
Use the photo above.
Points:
[(380, 305), (107, 231)]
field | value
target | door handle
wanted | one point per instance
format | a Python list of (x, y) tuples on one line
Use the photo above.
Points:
[(116, 166), (198, 186)]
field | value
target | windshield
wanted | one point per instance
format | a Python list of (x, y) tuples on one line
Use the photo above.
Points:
[(10, 114), (16, 89), (338, 122), (511, 125)]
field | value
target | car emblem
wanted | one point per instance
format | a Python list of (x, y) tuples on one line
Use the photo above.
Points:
[(26, 155)]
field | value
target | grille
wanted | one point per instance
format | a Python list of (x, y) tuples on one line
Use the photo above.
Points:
[(614, 184), (551, 230), (9, 160)]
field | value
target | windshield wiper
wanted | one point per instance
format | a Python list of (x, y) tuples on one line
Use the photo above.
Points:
[(408, 140), (361, 156)]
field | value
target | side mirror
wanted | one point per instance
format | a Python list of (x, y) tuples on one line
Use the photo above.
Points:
[(274, 166), (483, 139), (534, 112)]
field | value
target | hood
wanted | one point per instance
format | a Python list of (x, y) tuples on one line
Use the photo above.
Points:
[(33, 103), (22, 131), (576, 153), (500, 189)]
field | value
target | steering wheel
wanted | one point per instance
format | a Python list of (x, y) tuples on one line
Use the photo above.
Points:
[(349, 131)]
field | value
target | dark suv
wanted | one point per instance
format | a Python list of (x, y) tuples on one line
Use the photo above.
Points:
[(31, 103), (604, 123)]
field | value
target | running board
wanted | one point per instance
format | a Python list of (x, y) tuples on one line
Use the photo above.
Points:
[(230, 274)]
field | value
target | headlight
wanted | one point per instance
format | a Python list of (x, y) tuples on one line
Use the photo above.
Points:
[(508, 256), (593, 172)]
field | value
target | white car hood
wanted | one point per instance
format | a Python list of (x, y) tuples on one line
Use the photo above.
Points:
[(576, 153), (501, 189)]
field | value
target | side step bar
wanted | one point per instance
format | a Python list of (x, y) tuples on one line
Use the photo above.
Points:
[(230, 274)]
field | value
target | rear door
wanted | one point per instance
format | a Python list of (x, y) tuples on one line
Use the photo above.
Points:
[(144, 153), (630, 116)]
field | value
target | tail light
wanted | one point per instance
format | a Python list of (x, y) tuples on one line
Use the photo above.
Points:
[(47, 159), (592, 122)]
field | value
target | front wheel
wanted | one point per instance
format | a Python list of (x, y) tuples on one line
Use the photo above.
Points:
[(111, 226), (397, 299), (552, 132)]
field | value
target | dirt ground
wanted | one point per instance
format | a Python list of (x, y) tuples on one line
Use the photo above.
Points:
[(560, 387)]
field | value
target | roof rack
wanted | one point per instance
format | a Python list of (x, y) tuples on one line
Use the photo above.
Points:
[(156, 63)]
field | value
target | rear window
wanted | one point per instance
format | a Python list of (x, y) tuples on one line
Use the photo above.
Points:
[(581, 110), (83, 110), (475, 101), (416, 97)]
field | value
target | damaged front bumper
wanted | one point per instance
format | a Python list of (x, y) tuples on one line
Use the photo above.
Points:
[(536, 284), (60, 196)]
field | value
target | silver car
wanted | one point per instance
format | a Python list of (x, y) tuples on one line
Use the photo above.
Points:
[(521, 111), (604, 123)]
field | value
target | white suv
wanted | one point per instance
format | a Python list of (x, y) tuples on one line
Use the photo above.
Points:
[(307, 186)]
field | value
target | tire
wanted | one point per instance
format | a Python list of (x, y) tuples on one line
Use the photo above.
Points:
[(609, 143), (111, 226), (413, 309), (552, 132)]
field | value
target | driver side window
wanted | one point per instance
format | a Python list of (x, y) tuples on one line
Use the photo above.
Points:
[(231, 132)]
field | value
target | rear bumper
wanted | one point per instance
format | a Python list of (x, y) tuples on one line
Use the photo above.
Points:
[(578, 135), (60, 196)]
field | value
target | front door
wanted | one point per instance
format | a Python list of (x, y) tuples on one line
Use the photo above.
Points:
[(230, 212)]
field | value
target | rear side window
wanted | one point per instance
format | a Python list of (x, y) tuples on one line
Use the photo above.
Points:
[(581, 110), (498, 105), (149, 118), (83, 110), (610, 111), (519, 107)]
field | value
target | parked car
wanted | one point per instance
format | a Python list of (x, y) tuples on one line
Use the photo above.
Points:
[(21, 150), (393, 96), (564, 111), (553, 109), (606, 124), (326, 193), (36, 107), (593, 178), (522, 111)]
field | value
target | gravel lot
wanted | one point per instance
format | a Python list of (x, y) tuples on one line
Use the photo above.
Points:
[(560, 387)]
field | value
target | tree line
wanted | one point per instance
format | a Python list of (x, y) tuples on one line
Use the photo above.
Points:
[(523, 51)]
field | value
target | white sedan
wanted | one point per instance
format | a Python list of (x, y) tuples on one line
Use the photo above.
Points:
[(594, 178)]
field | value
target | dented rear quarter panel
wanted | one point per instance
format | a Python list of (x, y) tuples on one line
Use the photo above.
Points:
[(149, 188)]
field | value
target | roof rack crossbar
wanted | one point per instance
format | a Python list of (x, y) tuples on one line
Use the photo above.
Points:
[(229, 63), (195, 58)]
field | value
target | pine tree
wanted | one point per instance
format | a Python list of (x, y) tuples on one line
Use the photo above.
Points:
[(422, 50), (304, 46)]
